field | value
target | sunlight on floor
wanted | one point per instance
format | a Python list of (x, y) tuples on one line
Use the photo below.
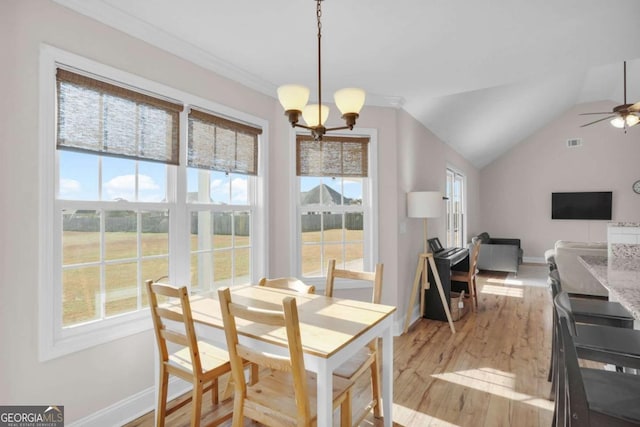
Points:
[(515, 282), (502, 291), (407, 416), (496, 382)]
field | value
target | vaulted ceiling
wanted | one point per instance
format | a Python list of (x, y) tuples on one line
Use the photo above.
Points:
[(482, 76)]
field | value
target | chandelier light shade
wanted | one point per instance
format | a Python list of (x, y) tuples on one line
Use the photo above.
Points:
[(310, 115), (294, 98)]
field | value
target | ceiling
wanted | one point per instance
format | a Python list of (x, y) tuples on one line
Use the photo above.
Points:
[(482, 76)]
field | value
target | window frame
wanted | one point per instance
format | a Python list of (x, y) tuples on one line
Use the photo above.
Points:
[(54, 341), (370, 210), (459, 176)]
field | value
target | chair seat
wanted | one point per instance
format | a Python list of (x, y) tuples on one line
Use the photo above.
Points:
[(349, 368), (610, 313), (214, 360), (268, 393), (608, 344), (614, 394)]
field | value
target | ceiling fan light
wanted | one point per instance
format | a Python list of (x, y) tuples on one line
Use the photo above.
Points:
[(310, 115), (350, 100), (632, 120), (617, 122), (293, 97)]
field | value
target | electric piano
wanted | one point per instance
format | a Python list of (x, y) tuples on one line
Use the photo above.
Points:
[(446, 259)]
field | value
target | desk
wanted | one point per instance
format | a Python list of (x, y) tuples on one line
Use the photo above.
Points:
[(621, 277), (332, 331), (433, 308)]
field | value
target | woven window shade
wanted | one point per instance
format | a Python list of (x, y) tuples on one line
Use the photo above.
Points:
[(220, 144), (100, 117), (333, 156)]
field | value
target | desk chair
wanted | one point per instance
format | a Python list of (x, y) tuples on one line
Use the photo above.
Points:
[(288, 283), (469, 277), (368, 357), (592, 397), (197, 362), (286, 395)]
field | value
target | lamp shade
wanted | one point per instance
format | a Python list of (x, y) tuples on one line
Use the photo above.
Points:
[(310, 114), (349, 100), (617, 122), (293, 97), (632, 120), (424, 204)]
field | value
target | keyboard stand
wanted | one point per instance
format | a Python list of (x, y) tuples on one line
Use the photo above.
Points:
[(422, 271)]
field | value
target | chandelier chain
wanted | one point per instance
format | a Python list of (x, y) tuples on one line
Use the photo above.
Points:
[(319, 15)]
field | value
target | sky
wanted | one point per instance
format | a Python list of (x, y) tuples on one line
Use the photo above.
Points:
[(80, 175)]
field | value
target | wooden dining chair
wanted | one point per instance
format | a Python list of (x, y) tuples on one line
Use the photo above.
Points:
[(290, 283), (592, 397), (197, 362), (367, 359), (286, 393), (469, 277)]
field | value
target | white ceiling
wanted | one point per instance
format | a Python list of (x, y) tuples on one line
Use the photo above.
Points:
[(481, 75)]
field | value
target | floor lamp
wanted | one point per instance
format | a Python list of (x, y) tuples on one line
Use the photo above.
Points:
[(425, 204)]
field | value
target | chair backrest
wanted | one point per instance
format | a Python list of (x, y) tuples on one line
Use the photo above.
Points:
[(288, 283), (180, 330), (574, 399), (563, 309), (554, 283), (375, 277), (238, 353), (473, 258)]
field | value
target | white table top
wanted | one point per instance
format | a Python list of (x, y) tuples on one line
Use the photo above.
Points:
[(621, 277)]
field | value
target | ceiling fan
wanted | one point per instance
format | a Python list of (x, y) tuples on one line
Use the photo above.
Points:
[(622, 116)]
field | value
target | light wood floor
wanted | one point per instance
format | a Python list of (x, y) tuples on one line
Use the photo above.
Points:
[(492, 372)]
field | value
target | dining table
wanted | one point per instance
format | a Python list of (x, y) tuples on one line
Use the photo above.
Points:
[(332, 331)]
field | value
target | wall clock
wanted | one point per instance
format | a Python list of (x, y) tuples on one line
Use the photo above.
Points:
[(636, 187)]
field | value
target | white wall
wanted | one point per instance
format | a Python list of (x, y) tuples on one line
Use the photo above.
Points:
[(516, 188), (88, 381), (422, 160)]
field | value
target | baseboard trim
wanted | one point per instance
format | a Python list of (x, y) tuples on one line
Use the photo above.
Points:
[(132, 407)]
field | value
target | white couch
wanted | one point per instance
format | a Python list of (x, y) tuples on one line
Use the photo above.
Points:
[(574, 276)]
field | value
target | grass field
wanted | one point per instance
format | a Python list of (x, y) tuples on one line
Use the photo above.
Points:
[(82, 276)]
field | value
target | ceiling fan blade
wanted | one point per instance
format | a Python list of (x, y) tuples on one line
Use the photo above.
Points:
[(599, 120), (635, 107), (587, 114)]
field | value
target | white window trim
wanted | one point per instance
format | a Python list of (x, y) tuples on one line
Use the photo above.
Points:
[(52, 342), (372, 211), (459, 171)]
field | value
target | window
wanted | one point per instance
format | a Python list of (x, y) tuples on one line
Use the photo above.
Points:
[(334, 204), (222, 159), (120, 207), (455, 209)]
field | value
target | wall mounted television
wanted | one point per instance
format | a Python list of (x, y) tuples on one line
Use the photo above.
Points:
[(591, 205)]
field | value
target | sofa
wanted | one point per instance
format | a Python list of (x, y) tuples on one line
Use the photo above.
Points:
[(574, 276), (499, 254)]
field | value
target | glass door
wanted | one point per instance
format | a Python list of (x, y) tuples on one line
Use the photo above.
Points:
[(455, 209)]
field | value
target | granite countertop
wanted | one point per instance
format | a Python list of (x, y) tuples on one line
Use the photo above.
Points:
[(621, 277)]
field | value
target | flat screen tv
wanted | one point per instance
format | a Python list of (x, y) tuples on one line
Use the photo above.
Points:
[(582, 205)]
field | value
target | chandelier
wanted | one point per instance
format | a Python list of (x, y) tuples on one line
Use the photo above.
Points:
[(294, 100)]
